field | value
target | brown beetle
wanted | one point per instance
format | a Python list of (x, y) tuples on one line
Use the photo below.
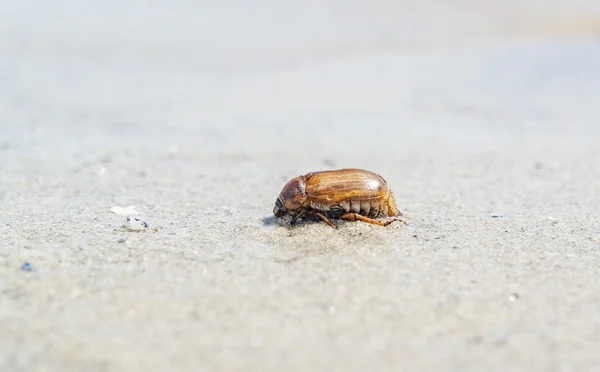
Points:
[(348, 194)]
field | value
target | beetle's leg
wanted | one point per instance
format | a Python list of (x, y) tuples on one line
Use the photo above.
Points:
[(394, 220), (324, 219), (358, 217), (296, 217)]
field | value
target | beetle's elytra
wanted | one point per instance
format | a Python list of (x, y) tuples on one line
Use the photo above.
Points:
[(348, 194)]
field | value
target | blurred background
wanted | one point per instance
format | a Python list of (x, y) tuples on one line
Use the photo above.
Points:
[(237, 58)]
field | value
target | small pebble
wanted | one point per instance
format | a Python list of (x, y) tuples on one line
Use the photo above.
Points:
[(121, 241), (513, 297), (496, 215), (27, 266), (136, 224)]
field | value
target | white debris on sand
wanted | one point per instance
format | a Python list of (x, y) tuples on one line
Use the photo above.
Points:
[(124, 211), (136, 224)]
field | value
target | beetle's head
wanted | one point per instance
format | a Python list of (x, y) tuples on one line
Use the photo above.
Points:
[(291, 198)]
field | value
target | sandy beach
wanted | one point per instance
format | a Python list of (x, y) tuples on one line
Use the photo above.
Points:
[(482, 116)]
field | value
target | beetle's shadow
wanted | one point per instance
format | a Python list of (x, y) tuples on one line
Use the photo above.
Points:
[(270, 221), (286, 222), (276, 221)]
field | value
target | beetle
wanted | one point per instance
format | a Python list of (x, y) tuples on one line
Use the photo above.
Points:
[(349, 194)]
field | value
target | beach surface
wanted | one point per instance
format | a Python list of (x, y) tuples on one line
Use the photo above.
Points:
[(482, 116)]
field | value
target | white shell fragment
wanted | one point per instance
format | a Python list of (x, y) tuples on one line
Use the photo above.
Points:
[(136, 224), (124, 211)]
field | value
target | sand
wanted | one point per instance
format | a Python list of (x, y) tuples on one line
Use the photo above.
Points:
[(483, 118)]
